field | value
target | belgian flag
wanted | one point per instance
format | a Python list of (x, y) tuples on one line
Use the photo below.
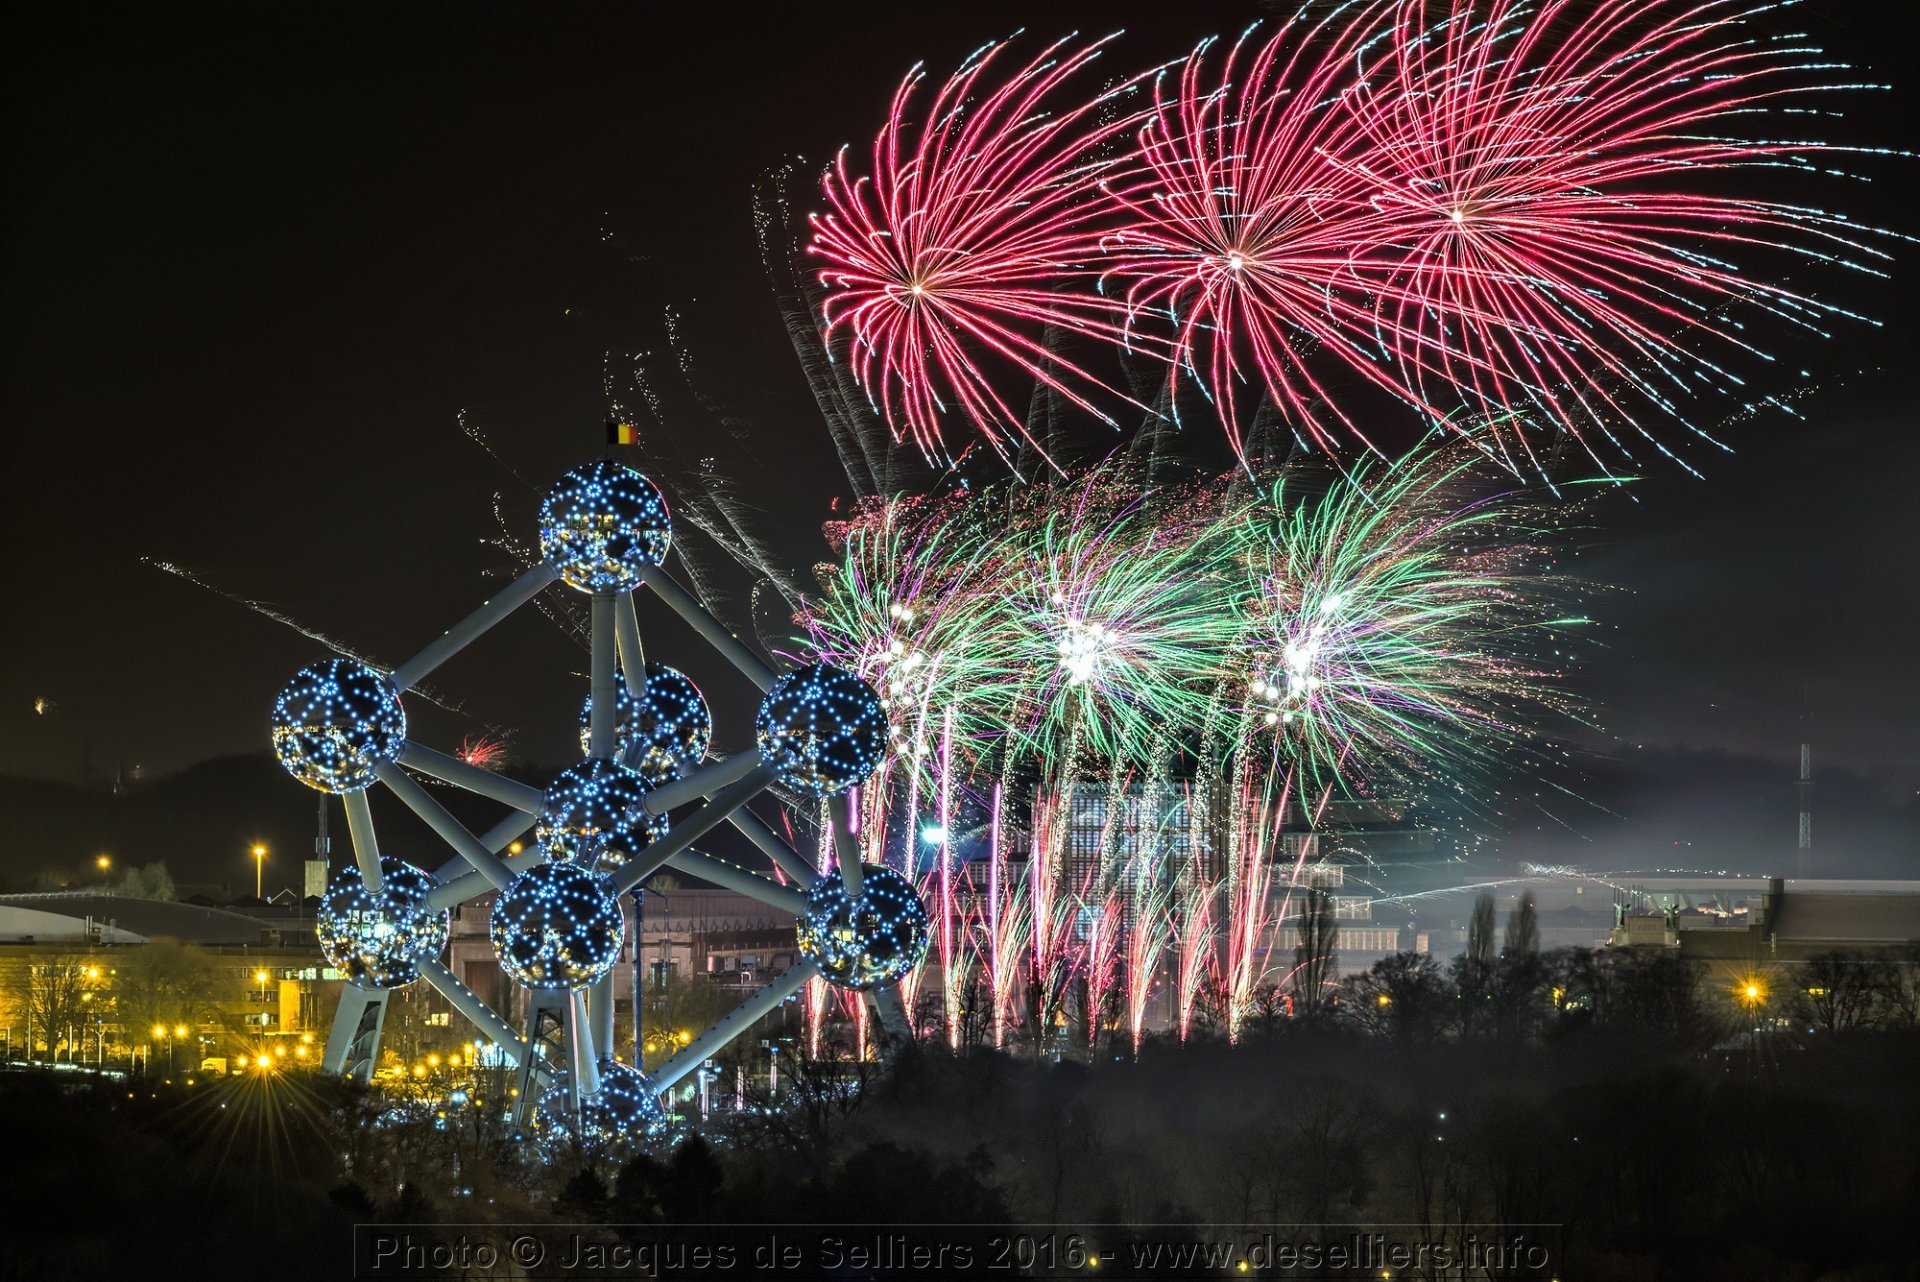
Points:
[(619, 433)]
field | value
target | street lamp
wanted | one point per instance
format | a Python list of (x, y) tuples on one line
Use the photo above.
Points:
[(103, 862), (259, 868)]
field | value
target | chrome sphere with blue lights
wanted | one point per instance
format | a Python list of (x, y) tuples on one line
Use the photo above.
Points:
[(665, 732), (622, 1117), (335, 722), (864, 942), (600, 524), (379, 940), (595, 816), (557, 926), (823, 729)]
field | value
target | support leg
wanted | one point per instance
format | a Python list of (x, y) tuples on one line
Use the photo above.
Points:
[(353, 1044)]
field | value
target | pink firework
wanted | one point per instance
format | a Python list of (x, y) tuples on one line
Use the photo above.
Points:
[(968, 242), (1242, 233), (1147, 938), (484, 752), (1562, 180)]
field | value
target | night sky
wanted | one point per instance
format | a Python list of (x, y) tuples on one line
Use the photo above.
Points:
[(258, 259)]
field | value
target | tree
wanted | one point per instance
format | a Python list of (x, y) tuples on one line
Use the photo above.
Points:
[(63, 997), (164, 983), (1403, 997), (1523, 926), (1315, 956), (1839, 990)]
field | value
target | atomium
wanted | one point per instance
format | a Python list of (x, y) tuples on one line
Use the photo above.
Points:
[(823, 729), (556, 923), (595, 816), (601, 525), (623, 1116), (662, 733), (335, 723), (378, 939), (866, 941), (557, 926)]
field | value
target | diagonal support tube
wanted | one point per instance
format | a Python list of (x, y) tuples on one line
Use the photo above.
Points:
[(366, 847), (689, 830), (465, 632), (684, 604), (731, 876), (450, 830), (508, 792), (731, 1025), (785, 857), (468, 1003), (703, 782)]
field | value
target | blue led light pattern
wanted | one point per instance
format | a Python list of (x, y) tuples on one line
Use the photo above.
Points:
[(600, 524), (823, 729), (623, 1117), (663, 734), (865, 942), (379, 940), (557, 926), (594, 816), (335, 722)]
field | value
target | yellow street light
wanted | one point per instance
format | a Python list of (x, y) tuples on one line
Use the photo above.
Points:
[(259, 867), (260, 978), (103, 862), (180, 1030), (159, 1031), (1383, 1000)]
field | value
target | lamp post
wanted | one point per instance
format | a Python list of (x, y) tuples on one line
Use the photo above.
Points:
[(259, 868)]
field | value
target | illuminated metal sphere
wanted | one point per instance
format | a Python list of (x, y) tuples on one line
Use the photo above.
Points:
[(663, 734), (594, 816), (823, 729), (624, 1115), (600, 524), (557, 926), (335, 722), (865, 942), (379, 940)]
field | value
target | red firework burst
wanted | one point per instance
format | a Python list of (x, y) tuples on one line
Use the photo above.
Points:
[(1555, 260), (485, 752), (1243, 229), (969, 241)]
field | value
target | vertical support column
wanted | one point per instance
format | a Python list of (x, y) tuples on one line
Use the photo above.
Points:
[(583, 1083), (846, 847), (633, 656), (600, 1013), (353, 1043), (547, 1011), (366, 847), (603, 723)]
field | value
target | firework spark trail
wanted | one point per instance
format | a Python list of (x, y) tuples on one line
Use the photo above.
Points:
[(1242, 235), (267, 611), (1008, 913), (1554, 250), (1193, 939), (1148, 937), (1105, 916), (1249, 914), (968, 241), (1405, 623)]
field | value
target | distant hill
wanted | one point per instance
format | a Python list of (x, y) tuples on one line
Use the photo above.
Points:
[(202, 822)]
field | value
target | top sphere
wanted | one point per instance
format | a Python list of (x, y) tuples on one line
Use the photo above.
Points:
[(823, 729), (335, 722), (600, 524)]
